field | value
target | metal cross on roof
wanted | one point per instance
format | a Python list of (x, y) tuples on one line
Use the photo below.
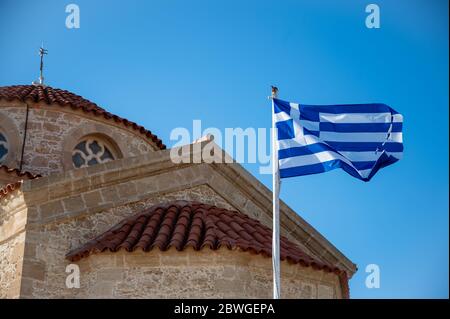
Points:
[(42, 52)]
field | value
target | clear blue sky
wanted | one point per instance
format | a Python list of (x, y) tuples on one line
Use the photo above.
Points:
[(164, 63)]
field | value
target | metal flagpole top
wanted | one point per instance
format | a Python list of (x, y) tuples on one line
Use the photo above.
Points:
[(274, 94), (274, 91)]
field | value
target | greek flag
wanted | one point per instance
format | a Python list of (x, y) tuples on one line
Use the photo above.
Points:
[(359, 138)]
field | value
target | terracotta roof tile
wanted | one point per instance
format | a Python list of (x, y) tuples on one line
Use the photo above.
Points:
[(49, 95), (8, 188), (182, 224), (18, 173)]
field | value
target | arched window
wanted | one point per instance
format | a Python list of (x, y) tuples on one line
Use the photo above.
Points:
[(92, 150), (3, 147)]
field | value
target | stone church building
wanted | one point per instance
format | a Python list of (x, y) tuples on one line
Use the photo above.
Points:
[(81, 186)]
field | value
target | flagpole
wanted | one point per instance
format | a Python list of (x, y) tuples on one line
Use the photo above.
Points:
[(275, 205)]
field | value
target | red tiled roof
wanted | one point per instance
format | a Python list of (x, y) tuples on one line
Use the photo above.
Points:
[(8, 188), (49, 95), (182, 224), (18, 173)]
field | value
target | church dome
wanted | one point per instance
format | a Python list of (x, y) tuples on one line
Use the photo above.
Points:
[(64, 98), (46, 130)]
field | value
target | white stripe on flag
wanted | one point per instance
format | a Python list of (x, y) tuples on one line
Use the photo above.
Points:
[(398, 118), (367, 156), (360, 137), (310, 125), (298, 141), (318, 158), (311, 159), (365, 172), (281, 117), (356, 117)]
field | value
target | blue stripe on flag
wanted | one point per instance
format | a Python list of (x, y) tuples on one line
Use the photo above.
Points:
[(309, 115), (360, 127), (303, 150), (366, 146), (349, 108), (309, 132), (339, 146), (331, 165)]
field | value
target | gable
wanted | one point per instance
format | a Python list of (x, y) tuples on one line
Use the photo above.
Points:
[(133, 181)]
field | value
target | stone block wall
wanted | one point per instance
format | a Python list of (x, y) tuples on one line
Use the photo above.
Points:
[(188, 274), (11, 256), (53, 132), (13, 214)]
